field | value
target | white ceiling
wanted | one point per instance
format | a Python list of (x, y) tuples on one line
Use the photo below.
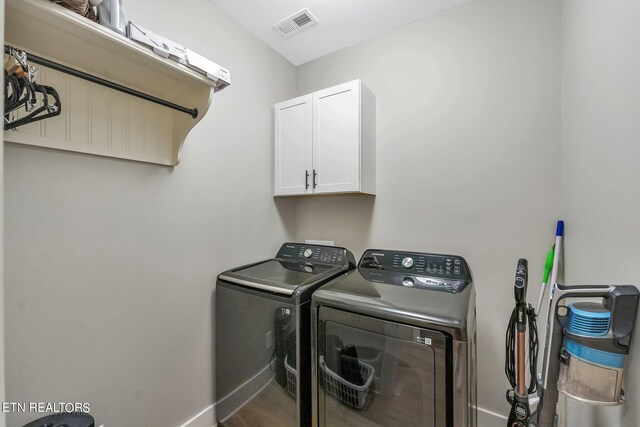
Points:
[(341, 23)]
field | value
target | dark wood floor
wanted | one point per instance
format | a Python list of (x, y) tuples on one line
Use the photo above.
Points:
[(399, 402)]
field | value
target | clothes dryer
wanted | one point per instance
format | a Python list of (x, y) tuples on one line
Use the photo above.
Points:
[(394, 343)]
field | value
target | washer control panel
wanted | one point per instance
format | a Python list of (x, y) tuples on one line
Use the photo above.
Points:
[(315, 254), (414, 269)]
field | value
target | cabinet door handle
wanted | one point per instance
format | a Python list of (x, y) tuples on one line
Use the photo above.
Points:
[(306, 180), (315, 174)]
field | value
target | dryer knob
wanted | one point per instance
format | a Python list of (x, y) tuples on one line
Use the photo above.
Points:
[(407, 262), (407, 282), (308, 253)]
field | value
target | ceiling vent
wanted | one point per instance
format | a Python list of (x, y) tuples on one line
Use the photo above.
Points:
[(297, 22)]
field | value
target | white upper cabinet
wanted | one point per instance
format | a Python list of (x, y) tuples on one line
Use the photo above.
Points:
[(325, 142), (293, 146), (336, 138)]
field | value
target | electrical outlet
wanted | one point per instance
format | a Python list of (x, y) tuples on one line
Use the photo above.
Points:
[(269, 339)]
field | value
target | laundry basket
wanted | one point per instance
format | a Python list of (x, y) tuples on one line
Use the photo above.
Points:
[(349, 393), (292, 376), (371, 356)]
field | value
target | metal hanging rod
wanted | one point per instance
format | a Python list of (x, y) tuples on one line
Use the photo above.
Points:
[(193, 112)]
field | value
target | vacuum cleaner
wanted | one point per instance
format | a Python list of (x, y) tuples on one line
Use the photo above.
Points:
[(588, 338), (589, 331), (523, 317)]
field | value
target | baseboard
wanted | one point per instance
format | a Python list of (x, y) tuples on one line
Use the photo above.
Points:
[(204, 418), (487, 418), (207, 418), (227, 405)]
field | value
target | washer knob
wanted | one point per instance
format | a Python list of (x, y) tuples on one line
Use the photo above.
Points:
[(407, 262), (308, 253)]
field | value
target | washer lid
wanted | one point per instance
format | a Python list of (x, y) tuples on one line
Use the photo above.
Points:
[(278, 276), (297, 268)]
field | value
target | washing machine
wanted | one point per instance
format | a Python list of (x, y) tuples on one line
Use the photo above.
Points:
[(263, 345), (393, 343)]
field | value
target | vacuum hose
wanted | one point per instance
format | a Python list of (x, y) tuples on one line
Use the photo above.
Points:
[(523, 315)]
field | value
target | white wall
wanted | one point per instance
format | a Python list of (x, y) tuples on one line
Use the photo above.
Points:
[(468, 154), (111, 264), (600, 164)]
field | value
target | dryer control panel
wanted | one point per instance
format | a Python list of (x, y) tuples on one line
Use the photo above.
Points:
[(415, 269), (316, 254)]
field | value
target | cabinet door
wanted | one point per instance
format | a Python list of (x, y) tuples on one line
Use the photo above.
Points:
[(293, 122), (336, 138)]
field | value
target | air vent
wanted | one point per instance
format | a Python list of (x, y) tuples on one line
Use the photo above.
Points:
[(297, 22)]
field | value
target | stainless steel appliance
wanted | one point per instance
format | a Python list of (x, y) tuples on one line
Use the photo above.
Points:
[(263, 348), (393, 343)]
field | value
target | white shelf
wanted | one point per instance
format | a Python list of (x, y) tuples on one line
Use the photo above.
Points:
[(51, 31)]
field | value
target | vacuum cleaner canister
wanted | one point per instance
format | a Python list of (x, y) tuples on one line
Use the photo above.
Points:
[(587, 373)]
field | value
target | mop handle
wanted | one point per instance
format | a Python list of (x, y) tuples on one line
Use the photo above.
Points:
[(554, 278), (548, 265), (556, 252)]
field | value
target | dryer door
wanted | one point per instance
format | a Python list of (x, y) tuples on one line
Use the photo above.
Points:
[(370, 372)]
